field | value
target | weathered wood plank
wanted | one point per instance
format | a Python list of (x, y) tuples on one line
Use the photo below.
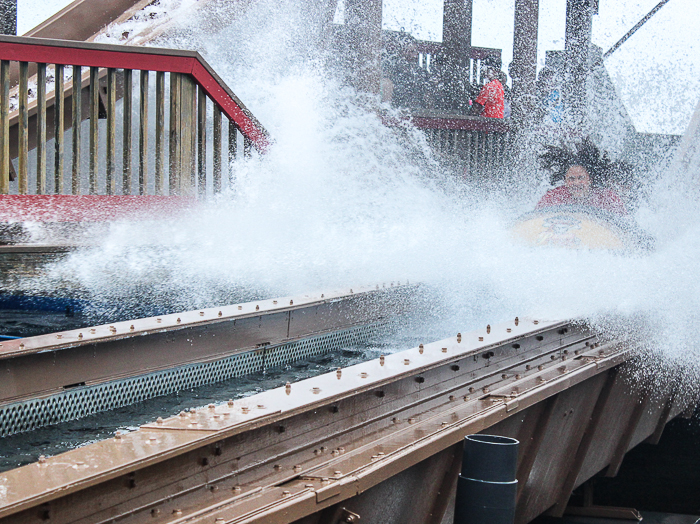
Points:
[(23, 126), (175, 138), (41, 129), (217, 149), (94, 132), (232, 150), (143, 133), (111, 129), (247, 147), (187, 132), (160, 132), (77, 107), (4, 127), (127, 154), (201, 142), (59, 124)]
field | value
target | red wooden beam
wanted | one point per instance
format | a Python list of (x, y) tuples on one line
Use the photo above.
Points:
[(83, 54), (89, 208)]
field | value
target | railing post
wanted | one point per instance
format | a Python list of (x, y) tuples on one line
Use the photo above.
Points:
[(247, 147), (23, 128), (160, 132), (94, 133), (111, 130), (217, 149), (143, 133), (4, 127), (77, 107), (232, 150), (41, 129), (58, 123), (201, 142), (175, 143), (187, 132), (127, 156)]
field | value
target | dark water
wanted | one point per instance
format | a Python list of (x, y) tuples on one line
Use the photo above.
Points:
[(30, 323)]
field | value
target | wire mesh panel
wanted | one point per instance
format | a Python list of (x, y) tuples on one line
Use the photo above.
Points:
[(82, 401)]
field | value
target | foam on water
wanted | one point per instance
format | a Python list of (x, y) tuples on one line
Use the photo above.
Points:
[(341, 199)]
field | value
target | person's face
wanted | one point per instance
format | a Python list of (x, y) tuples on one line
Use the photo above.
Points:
[(578, 181)]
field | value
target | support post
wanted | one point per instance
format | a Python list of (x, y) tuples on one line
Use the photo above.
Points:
[(523, 69), (456, 44), (364, 18), (579, 26)]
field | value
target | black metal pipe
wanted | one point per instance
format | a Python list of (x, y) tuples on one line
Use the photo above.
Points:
[(486, 487)]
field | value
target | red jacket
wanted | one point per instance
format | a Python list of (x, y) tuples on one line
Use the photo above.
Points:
[(491, 97), (604, 199)]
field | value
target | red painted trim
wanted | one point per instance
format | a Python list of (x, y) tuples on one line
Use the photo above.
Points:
[(147, 59), (89, 208), (117, 59), (496, 125)]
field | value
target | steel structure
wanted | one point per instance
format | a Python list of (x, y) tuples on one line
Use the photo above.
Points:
[(379, 440)]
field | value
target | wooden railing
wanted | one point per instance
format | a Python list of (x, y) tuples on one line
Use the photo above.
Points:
[(48, 88), (429, 50), (480, 146)]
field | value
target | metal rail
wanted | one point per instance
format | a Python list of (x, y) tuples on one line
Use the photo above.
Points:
[(192, 86), (291, 452)]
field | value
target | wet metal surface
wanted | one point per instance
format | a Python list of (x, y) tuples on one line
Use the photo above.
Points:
[(326, 431)]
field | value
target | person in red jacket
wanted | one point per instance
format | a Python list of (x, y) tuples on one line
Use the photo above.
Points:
[(584, 172), (490, 102)]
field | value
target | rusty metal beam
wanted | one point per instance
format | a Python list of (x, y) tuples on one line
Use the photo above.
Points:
[(293, 451)]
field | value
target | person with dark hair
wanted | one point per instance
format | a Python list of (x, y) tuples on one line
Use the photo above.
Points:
[(490, 102), (584, 172)]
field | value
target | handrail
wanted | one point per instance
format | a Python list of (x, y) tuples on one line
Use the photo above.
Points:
[(49, 51)]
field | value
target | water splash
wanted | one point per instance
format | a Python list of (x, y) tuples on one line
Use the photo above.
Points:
[(342, 199)]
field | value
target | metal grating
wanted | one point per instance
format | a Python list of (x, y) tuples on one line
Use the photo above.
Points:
[(87, 400)]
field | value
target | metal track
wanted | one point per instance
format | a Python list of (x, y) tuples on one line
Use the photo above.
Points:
[(290, 452)]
